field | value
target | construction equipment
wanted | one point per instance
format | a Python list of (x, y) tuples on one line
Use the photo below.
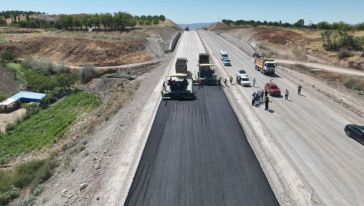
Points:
[(206, 75), (179, 85), (265, 66)]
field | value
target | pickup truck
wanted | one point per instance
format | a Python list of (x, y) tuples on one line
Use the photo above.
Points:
[(265, 66)]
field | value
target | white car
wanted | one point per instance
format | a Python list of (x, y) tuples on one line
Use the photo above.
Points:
[(241, 73), (223, 55), (244, 81)]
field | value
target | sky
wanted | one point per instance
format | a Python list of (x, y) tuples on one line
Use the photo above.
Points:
[(203, 11)]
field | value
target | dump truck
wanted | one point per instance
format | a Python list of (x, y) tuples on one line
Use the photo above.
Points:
[(265, 66), (206, 75), (179, 85), (181, 65)]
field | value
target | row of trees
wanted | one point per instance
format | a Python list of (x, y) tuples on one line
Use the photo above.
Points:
[(15, 15), (299, 24), (106, 21)]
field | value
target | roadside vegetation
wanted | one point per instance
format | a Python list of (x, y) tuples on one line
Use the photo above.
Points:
[(26, 176), (117, 21), (46, 127), (299, 24)]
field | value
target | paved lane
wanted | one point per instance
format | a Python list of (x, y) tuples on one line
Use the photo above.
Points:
[(197, 154)]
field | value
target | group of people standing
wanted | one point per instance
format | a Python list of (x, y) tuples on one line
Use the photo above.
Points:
[(260, 97)]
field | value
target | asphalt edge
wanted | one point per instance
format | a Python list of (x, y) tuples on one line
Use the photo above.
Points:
[(285, 182), (124, 174)]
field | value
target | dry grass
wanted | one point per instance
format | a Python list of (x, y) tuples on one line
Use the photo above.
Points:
[(78, 48)]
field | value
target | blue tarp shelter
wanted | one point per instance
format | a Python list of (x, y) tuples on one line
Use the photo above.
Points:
[(24, 97)]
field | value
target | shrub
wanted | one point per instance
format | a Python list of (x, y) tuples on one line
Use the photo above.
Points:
[(8, 56), (339, 40), (344, 54), (88, 72), (27, 175)]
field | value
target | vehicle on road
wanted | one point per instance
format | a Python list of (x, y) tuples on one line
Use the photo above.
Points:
[(265, 66), (179, 85), (206, 75), (257, 55), (241, 73), (224, 55), (355, 131), (272, 89), (226, 62), (244, 81), (181, 65)]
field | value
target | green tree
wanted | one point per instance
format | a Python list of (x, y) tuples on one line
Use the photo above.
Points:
[(65, 81), (323, 25), (155, 19), (162, 18), (300, 23), (106, 20)]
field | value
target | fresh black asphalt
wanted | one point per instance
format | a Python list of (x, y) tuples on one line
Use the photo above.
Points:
[(197, 155)]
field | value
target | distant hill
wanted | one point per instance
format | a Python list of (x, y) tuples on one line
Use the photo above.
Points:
[(195, 26)]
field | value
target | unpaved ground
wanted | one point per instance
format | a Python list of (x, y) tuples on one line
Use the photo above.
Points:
[(77, 51), (10, 118), (308, 130), (99, 48), (294, 44), (8, 82), (90, 165)]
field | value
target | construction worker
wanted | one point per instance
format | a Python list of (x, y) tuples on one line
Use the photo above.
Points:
[(262, 95), (286, 94), (267, 103), (299, 89), (253, 98)]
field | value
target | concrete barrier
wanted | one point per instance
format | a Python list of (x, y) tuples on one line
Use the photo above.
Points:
[(174, 41)]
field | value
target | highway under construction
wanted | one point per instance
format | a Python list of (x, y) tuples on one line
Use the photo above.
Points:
[(197, 152)]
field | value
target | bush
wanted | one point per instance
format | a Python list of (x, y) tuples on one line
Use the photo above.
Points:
[(28, 175), (354, 84), (8, 56), (335, 40), (344, 54), (88, 72)]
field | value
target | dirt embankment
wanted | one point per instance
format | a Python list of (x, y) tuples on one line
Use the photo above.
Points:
[(78, 51), (295, 44), (98, 48)]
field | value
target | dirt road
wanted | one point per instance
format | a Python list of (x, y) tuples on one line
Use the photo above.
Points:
[(308, 130), (323, 67)]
